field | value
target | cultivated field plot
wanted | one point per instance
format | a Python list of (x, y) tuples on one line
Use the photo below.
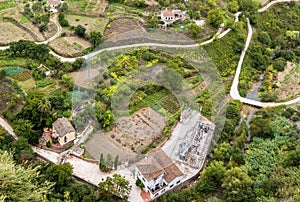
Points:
[(129, 135), (5, 94), (121, 26), (70, 46), (7, 4), (88, 7), (137, 131), (90, 23), (10, 33), (25, 24), (288, 82)]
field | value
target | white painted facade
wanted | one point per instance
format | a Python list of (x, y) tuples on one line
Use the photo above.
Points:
[(157, 182)]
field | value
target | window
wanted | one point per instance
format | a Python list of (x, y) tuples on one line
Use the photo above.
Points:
[(65, 139), (178, 182), (171, 185)]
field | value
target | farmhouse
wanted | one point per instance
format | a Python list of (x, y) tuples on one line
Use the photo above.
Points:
[(63, 131), (170, 16), (158, 173)]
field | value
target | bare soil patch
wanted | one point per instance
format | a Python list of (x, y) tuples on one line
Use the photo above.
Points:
[(15, 14), (5, 94), (288, 82), (121, 26), (128, 137), (81, 77), (99, 143), (10, 33), (138, 131)]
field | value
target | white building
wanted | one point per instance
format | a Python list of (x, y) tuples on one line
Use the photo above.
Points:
[(170, 16), (158, 173)]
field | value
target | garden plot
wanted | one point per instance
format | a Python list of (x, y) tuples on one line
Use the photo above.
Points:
[(14, 13), (288, 82), (7, 4), (129, 135), (88, 7), (10, 33), (5, 94), (70, 46), (121, 26), (137, 131), (90, 23)]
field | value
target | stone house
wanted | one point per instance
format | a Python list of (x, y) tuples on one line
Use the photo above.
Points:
[(63, 131)]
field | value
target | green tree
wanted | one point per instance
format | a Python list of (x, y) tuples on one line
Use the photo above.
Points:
[(62, 21), (233, 6), (80, 31), (265, 38), (237, 185), (194, 30), (20, 184), (23, 152), (116, 162), (279, 64), (212, 177), (96, 38), (23, 127), (212, 3), (78, 192), (60, 174), (116, 185), (44, 105), (3, 132), (215, 17), (222, 152)]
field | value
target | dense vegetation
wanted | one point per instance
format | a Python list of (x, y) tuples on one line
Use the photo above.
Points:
[(275, 41)]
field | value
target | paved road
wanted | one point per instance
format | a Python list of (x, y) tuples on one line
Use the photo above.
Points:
[(234, 92), (57, 34), (266, 7), (8, 128)]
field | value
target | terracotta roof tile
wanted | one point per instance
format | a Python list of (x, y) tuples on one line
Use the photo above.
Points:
[(157, 163), (53, 2)]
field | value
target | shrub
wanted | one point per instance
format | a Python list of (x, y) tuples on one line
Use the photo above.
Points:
[(48, 144), (145, 150), (139, 183)]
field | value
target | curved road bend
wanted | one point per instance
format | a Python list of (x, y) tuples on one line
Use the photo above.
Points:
[(266, 7), (234, 93)]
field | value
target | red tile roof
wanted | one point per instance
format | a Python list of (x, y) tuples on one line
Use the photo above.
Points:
[(157, 163), (167, 13), (53, 2)]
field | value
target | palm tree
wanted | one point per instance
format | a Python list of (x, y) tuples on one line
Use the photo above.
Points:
[(44, 105)]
